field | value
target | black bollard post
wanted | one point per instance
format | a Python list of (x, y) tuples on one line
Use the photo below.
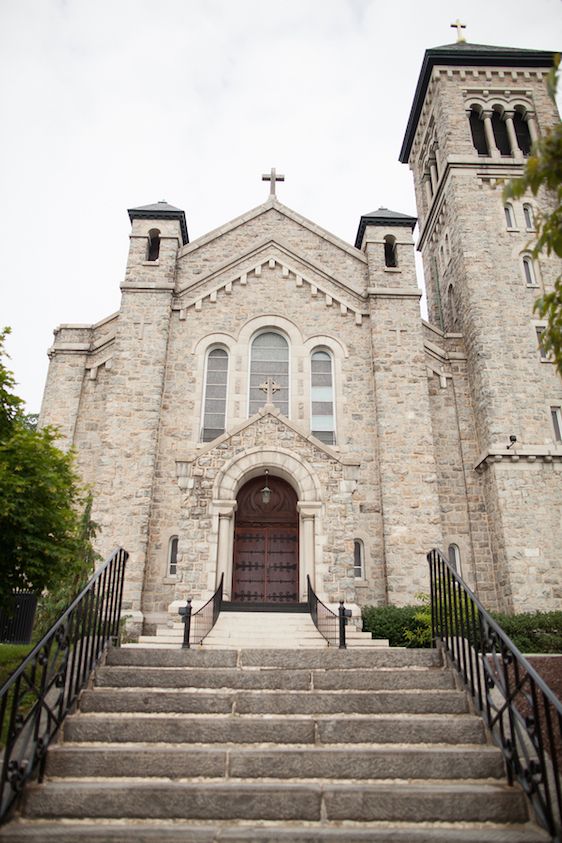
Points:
[(185, 612), (343, 614)]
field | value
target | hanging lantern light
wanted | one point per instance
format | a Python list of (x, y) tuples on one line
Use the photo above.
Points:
[(266, 491)]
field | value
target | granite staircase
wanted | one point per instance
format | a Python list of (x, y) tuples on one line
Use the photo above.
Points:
[(273, 746)]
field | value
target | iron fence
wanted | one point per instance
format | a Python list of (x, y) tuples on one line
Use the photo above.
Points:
[(328, 624), (16, 621), (200, 623), (522, 713), (41, 692)]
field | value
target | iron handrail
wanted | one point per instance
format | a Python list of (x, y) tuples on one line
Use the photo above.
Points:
[(328, 624), (522, 713), (199, 624), (44, 688)]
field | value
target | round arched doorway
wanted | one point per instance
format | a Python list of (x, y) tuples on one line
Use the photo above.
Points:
[(266, 544)]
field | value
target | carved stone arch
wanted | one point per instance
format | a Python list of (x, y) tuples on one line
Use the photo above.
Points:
[(280, 463), (261, 323)]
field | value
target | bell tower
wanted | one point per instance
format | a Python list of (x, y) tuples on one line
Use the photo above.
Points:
[(477, 111)]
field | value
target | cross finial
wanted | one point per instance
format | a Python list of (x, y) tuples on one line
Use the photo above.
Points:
[(272, 177), (460, 34), (270, 387)]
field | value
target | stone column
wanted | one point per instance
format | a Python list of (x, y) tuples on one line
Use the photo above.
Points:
[(307, 556), (489, 132), (225, 510), (532, 124), (515, 151)]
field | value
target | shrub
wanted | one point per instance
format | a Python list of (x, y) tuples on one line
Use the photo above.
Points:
[(400, 624), (533, 632)]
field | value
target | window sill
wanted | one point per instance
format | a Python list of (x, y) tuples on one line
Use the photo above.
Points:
[(512, 229), (532, 286), (151, 263), (170, 580), (392, 269)]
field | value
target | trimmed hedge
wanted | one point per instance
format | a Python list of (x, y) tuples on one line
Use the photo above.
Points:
[(410, 626)]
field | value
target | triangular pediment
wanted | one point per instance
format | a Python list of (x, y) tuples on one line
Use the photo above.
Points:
[(298, 271)]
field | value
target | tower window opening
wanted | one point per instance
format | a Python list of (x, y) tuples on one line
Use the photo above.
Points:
[(358, 560), (173, 556), (390, 251), (522, 133), (540, 329), (478, 132), (501, 137), (452, 304), (556, 418), (455, 558), (529, 271), (153, 252), (529, 221), (509, 219)]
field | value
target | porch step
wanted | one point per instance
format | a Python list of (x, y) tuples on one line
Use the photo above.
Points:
[(240, 630), (273, 746)]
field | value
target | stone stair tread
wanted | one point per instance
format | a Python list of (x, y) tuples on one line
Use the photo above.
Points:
[(84, 831)]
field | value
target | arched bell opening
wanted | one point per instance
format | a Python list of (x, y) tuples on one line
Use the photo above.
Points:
[(265, 565)]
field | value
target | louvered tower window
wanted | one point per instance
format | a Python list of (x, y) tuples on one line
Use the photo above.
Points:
[(322, 397), (522, 133), (477, 131), (214, 413), (269, 359), (501, 137)]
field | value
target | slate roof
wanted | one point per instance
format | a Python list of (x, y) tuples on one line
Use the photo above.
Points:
[(161, 211), (383, 216), (467, 55)]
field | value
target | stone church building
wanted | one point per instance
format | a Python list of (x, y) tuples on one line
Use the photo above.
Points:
[(269, 405)]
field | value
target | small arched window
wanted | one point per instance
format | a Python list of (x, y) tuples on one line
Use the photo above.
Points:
[(358, 559), (172, 567), (451, 299), (499, 129), (477, 131), (153, 252), (455, 558), (522, 132), (528, 214), (509, 218), (322, 397), (269, 359), (447, 246), (214, 406), (390, 251), (529, 272)]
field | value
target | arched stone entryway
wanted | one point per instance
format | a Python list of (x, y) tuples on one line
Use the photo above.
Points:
[(265, 567), (299, 475)]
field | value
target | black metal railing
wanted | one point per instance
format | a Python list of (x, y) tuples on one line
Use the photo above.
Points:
[(328, 624), (41, 692), (16, 620), (198, 624), (522, 713)]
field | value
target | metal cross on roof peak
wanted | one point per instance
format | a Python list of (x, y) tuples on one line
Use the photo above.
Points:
[(272, 177), (459, 27)]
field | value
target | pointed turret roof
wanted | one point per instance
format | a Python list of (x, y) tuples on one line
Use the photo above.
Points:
[(161, 211), (467, 55), (386, 217)]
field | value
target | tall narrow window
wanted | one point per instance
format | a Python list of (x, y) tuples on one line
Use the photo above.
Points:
[(172, 568), (556, 417), (153, 252), (477, 131), (455, 558), (509, 219), (529, 271), (322, 397), (269, 360), (529, 221), (540, 329), (452, 303), (214, 412), (358, 559), (501, 137), (390, 253), (522, 133)]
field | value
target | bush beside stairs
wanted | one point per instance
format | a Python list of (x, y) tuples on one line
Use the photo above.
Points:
[(264, 746)]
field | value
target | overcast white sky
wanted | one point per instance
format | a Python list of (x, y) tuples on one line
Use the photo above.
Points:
[(110, 104)]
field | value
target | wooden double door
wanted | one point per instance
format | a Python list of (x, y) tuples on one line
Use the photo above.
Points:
[(266, 544)]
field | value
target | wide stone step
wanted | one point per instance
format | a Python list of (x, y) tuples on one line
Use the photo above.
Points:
[(338, 762), (285, 702), (175, 831), (185, 728), (326, 659), (168, 799)]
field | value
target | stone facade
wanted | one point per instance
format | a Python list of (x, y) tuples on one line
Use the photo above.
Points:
[(423, 411)]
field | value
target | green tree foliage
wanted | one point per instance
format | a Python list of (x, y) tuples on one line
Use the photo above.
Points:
[(543, 171), (43, 542)]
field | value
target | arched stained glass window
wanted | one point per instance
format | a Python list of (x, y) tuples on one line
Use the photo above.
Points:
[(173, 556), (455, 558), (214, 412), (322, 422), (358, 559), (269, 359)]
